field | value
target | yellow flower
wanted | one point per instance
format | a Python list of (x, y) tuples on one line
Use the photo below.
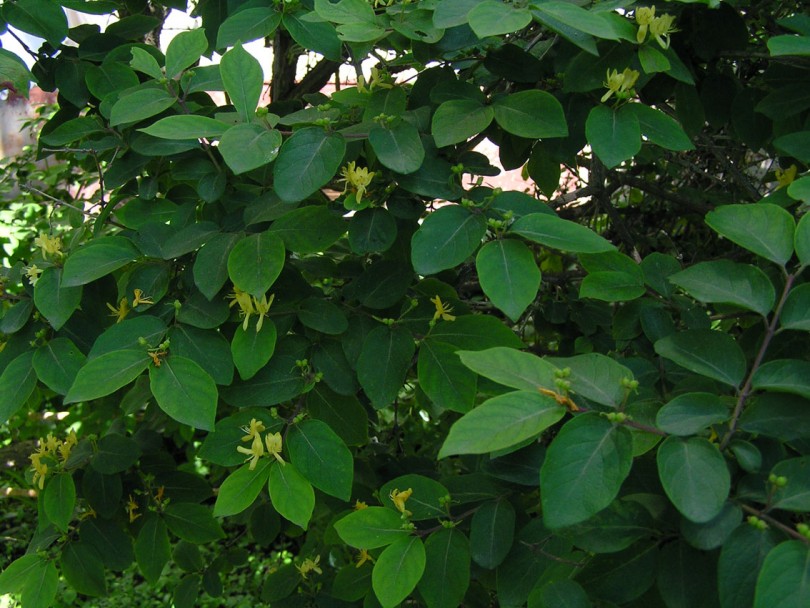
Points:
[(261, 307), (51, 444), (273, 441), (140, 298), (618, 83), (256, 427), (40, 469), (644, 17), (32, 272), (784, 179), (661, 28), (132, 507), (121, 312), (356, 178), (399, 499), (363, 558), (310, 565), (442, 310), (255, 451), (245, 303), (359, 505), (50, 245)]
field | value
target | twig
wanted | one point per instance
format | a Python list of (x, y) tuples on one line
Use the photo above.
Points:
[(30, 188), (745, 391), (775, 523)]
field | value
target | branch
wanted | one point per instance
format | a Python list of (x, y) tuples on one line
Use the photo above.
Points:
[(775, 523), (58, 203), (651, 188), (315, 79)]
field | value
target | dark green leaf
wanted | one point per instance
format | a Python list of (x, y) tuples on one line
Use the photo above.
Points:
[(248, 25), (98, 258), (492, 532), (457, 120), (307, 161), (446, 238), (614, 134), (107, 373), (17, 382), (185, 392), (192, 522), (763, 228), (492, 18), (705, 352), (243, 78), (255, 262), (59, 500), (292, 495), (511, 367), (185, 50), (448, 383), (690, 413), (532, 114), (555, 232), (322, 458), (249, 146), (383, 363), (509, 275), (784, 581), (152, 549), (371, 527), (398, 146), (447, 569), (309, 229), (398, 570)]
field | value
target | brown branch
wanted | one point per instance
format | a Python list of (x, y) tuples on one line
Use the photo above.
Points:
[(315, 79), (651, 188), (775, 523)]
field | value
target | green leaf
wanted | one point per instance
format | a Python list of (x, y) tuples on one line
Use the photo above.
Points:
[(109, 78), (426, 500), (572, 15), (192, 522), (40, 587), (320, 37), (613, 529), (784, 376), (249, 146), (562, 593), (207, 348), (690, 413), (784, 581), (652, 60), (16, 576), (307, 161), (14, 71), (56, 302), (614, 134), (186, 126), (16, 316), (502, 422), (124, 335), (661, 129), (103, 492), (596, 377), (345, 11), (795, 496), (309, 229), (612, 286), (789, 45), (107, 373), (740, 561), (113, 545), (139, 105), (115, 454), (248, 25), (709, 353), (796, 311), (322, 458), (446, 238), (555, 232), (185, 50), (83, 569), (255, 262), (186, 591), (475, 332), (728, 282), (584, 469), (372, 230), (398, 146), (802, 240), (292, 495), (251, 350), (510, 367), (371, 527), (763, 228), (360, 32), (398, 570), (185, 392), (448, 383), (220, 446), (145, 62), (152, 549), (17, 382), (457, 120), (41, 18), (211, 264), (694, 476), (59, 500), (243, 78), (533, 114), (492, 532), (447, 569), (343, 413), (98, 258), (241, 488), (75, 129), (383, 363), (508, 275), (57, 364), (492, 18)]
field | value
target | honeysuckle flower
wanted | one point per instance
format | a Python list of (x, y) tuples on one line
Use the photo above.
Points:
[(644, 17), (132, 508), (310, 565), (140, 298), (443, 310), (359, 505), (363, 558), (245, 303), (262, 307), (252, 430), (619, 83), (50, 245), (273, 441), (357, 179), (40, 469), (32, 272), (51, 443), (254, 452), (121, 311), (400, 498), (783, 178), (661, 28)]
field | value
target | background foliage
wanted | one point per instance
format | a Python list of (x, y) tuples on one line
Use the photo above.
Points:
[(303, 355)]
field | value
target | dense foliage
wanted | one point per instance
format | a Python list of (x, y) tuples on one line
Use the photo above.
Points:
[(308, 342)]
